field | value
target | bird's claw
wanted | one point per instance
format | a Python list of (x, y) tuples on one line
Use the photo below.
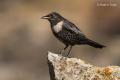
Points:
[(61, 52)]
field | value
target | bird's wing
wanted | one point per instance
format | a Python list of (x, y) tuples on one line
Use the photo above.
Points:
[(72, 28)]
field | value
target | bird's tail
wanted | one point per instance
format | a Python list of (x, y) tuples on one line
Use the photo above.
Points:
[(94, 44)]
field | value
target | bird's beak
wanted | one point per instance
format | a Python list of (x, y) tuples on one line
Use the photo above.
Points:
[(45, 17)]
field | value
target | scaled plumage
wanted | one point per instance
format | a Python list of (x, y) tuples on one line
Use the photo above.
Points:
[(68, 33)]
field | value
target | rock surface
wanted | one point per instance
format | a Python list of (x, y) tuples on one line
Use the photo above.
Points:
[(63, 68)]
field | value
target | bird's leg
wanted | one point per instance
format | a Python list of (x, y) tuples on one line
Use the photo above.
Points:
[(69, 51), (64, 49)]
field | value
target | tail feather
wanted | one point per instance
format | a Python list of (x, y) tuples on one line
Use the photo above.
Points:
[(95, 44)]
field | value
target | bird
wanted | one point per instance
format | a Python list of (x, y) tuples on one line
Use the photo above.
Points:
[(68, 33)]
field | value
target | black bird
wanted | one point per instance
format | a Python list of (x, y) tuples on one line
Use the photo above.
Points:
[(68, 33)]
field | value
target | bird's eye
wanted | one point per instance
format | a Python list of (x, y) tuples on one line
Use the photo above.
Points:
[(51, 16)]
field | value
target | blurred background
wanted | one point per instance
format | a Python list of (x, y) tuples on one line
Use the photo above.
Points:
[(25, 39)]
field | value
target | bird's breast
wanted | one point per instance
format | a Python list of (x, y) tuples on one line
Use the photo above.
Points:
[(58, 27)]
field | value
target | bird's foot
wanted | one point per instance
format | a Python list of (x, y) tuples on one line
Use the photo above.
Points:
[(68, 56), (64, 54), (61, 52)]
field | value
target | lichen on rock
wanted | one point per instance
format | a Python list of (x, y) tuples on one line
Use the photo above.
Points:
[(76, 69)]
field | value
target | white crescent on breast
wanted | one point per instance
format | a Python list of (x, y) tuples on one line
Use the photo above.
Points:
[(58, 27)]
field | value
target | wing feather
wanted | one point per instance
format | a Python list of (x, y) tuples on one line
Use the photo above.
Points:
[(72, 28)]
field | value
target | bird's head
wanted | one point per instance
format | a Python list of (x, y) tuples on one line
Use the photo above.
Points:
[(53, 17)]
